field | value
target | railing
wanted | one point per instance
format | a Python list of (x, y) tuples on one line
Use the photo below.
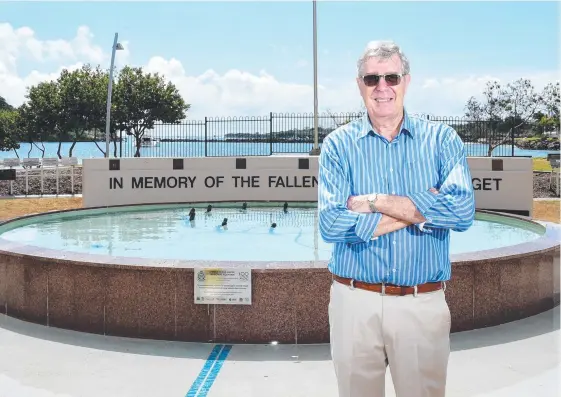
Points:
[(230, 136), (286, 133), (40, 176)]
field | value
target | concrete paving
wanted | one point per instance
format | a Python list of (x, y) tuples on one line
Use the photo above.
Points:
[(519, 359)]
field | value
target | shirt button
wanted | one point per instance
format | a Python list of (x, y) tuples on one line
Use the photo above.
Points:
[(394, 270), (391, 169), (394, 242), (393, 192)]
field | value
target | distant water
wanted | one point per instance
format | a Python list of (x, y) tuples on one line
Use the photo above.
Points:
[(84, 150)]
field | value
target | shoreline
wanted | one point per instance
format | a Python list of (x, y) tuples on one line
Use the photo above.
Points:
[(545, 143)]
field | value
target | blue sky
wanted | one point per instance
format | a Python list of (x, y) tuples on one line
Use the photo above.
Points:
[(443, 40)]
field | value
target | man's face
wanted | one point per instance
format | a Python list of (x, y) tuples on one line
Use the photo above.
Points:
[(383, 99)]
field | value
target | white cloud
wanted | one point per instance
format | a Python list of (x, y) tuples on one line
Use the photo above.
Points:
[(236, 92), (448, 96), (21, 44)]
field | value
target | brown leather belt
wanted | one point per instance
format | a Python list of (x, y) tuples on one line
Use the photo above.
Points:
[(390, 289)]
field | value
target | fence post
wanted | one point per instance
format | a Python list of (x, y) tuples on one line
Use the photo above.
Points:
[(121, 143), (206, 137), (271, 132), (512, 143)]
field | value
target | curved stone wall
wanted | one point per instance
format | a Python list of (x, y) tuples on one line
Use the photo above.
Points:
[(154, 299)]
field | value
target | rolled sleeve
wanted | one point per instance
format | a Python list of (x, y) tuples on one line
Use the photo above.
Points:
[(366, 225), (453, 207), (423, 201), (337, 224)]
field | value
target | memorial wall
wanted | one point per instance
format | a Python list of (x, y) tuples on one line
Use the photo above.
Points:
[(501, 184)]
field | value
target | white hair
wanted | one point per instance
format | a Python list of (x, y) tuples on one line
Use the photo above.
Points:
[(382, 50)]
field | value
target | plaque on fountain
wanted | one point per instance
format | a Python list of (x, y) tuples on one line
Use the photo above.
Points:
[(219, 286)]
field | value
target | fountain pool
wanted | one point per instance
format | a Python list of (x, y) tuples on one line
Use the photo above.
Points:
[(129, 271), (165, 232)]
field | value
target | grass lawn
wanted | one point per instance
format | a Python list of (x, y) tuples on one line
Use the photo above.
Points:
[(543, 210), (547, 211), (10, 208), (541, 164)]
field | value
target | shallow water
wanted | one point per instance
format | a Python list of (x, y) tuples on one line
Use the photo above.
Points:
[(168, 233)]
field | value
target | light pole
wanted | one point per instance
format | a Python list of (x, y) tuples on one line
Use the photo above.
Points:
[(315, 150), (116, 46)]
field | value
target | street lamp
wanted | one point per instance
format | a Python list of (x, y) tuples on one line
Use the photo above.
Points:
[(315, 150), (116, 46)]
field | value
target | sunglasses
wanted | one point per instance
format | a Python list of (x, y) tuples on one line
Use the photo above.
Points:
[(372, 80)]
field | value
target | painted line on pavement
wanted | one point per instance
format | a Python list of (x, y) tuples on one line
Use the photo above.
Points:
[(209, 372)]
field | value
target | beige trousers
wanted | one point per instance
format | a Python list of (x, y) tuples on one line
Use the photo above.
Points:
[(370, 331)]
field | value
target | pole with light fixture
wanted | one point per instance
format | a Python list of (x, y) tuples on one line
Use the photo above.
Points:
[(315, 150), (116, 46)]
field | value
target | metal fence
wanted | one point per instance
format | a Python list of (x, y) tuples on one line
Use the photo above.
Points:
[(286, 133)]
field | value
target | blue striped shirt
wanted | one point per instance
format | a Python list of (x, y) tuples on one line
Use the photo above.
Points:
[(355, 160)]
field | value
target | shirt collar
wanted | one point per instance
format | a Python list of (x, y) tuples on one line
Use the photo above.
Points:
[(366, 126)]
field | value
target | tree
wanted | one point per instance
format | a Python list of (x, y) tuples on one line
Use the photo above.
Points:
[(69, 109), (551, 104), (9, 130), (82, 95), (504, 110), (4, 105), (487, 111), (42, 114), (31, 131), (141, 100), (521, 102)]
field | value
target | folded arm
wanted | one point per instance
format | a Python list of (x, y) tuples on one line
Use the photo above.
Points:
[(399, 207), (452, 206), (337, 223), (396, 207), (389, 224)]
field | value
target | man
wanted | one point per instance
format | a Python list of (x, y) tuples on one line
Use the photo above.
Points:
[(391, 187)]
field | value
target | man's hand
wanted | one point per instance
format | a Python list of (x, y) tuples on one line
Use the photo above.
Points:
[(390, 222), (358, 203), (398, 207)]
